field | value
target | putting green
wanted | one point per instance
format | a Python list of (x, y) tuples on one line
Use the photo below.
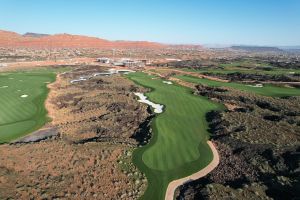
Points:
[(22, 97), (178, 147), (266, 90)]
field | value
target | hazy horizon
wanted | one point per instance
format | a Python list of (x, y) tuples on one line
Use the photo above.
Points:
[(254, 23)]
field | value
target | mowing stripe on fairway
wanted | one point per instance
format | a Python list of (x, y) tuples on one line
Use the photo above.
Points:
[(178, 147), (22, 115)]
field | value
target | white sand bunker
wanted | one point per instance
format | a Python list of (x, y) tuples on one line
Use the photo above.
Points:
[(143, 99), (5, 86), (168, 82), (256, 86), (78, 80), (24, 96)]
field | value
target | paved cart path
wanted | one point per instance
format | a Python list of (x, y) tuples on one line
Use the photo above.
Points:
[(203, 172)]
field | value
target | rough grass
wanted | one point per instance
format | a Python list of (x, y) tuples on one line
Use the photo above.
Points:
[(20, 116), (266, 90), (178, 147)]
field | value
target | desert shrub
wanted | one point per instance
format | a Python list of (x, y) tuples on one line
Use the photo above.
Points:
[(274, 118)]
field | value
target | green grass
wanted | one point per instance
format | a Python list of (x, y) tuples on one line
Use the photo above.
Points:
[(48, 69), (233, 69), (178, 147), (20, 116), (245, 63), (266, 90), (247, 66)]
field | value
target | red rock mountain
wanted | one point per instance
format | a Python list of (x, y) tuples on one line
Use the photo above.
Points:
[(12, 39)]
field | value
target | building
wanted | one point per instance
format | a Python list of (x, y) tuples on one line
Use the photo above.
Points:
[(103, 60), (125, 62), (121, 64), (145, 61), (133, 63)]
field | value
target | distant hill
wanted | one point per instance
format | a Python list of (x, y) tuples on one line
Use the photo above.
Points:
[(186, 46), (34, 40), (291, 49), (257, 48), (37, 35)]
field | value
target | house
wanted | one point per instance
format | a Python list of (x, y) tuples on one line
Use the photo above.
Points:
[(118, 64), (103, 60), (125, 62), (145, 61), (133, 63)]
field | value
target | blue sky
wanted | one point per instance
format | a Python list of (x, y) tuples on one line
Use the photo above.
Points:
[(252, 22)]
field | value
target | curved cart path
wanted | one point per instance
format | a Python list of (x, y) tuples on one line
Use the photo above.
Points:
[(203, 172)]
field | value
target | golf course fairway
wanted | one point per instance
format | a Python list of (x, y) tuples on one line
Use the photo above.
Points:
[(22, 98), (229, 70), (266, 90), (178, 147)]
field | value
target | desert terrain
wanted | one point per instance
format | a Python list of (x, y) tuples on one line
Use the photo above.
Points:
[(88, 156), (98, 140)]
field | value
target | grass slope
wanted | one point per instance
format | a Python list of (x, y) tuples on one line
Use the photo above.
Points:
[(178, 147), (20, 116), (267, 90)]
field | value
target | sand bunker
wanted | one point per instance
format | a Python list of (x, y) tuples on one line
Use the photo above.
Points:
[(78, 80), (256, 86), (5, 86), (168, 82), (125, 71), (114, 71), (107, 73), (24, 96), (103, 74), (143, 99)]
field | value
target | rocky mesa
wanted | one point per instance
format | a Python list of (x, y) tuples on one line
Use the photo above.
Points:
[(15, 40)]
